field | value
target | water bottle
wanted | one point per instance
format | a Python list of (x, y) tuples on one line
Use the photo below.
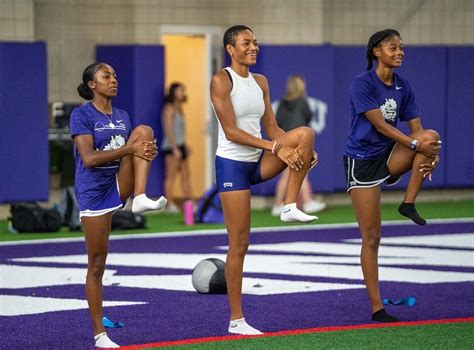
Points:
[(188, 211)]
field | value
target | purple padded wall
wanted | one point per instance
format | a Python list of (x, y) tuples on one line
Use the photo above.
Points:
[(140, 71), (458, 145), (315, 63), (24, 150)]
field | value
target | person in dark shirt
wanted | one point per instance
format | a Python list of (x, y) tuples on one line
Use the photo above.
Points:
[(376, 151), (293, 111)]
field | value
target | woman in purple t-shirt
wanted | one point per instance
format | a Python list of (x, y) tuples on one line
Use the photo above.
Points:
[(376, 151), (112, 163)]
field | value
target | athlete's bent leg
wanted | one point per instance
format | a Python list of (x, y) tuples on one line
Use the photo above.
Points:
[(301, 139), (133, 174), (404, 159)]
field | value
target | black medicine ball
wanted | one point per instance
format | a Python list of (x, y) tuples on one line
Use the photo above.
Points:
[(209, 277)]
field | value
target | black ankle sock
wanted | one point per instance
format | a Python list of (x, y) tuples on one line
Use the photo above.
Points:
[(383, 316), (409, 210)]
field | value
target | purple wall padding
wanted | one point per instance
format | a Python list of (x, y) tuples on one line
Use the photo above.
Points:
[(459, 145), (315, 63), (425, 69), (24, 151), (349, 61), (140, 71)]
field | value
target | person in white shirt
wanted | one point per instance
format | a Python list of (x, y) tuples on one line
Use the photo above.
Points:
[(241, 101)]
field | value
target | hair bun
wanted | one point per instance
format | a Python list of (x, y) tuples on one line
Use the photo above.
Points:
[(85, 91)]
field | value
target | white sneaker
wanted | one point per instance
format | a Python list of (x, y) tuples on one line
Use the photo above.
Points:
[(313, 206), (102, 341), (276, 210), (290, 213), (241, 327)]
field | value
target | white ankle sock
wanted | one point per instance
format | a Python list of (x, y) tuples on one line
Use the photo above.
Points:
[(104, 342), (290, 213), (142, 203), (241, 327)]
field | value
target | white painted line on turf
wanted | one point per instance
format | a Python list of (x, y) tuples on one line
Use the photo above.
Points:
[(212, 232), (19, 305)]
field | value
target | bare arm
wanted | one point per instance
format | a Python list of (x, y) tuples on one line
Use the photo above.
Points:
[(220, 97), (168, 115), (92, 158), (168, 112), (376, 118), (429, 149)]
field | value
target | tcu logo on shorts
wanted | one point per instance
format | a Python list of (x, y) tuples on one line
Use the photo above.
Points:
[(227, 184)]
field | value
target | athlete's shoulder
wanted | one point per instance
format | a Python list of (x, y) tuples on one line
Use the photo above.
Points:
[(221, 75), (259, 77), (261, 81), (366, 76), (221, 81), (81, 111), (362, 81), (121, 111)]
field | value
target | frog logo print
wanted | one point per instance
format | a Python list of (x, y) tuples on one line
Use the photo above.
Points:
[(389, 109)]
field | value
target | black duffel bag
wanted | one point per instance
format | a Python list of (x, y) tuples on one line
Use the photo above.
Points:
[(30, 217), (126, 220)]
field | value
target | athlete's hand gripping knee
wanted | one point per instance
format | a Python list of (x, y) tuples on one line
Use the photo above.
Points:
[(145, 149), (289, 156), (429, 149), (427, 169)]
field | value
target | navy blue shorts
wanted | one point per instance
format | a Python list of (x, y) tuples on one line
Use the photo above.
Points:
[(235, 175), (371, 172)]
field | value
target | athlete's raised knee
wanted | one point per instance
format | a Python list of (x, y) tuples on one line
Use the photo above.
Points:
[(428, 135), (144, 131), (304, 135)]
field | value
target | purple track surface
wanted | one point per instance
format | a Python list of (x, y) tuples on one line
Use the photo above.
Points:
[(176, 315)]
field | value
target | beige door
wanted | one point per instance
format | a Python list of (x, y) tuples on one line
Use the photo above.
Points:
[(186, 61)]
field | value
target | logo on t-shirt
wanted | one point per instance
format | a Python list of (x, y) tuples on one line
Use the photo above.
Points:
[(116, 142), (389, 109)]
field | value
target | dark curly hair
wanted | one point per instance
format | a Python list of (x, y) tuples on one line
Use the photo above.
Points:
[(375, 40)]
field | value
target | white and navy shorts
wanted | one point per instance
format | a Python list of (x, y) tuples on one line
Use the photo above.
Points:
[(100, 200), (362, 173), (235, 175)]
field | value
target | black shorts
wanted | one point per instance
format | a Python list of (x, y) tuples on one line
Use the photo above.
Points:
[(183, 148), (369, 173)]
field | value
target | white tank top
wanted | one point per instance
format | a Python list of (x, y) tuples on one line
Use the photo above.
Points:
[(249, 107)]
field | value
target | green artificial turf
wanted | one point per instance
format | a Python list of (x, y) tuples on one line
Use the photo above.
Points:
[(434, 336), (163, 222)]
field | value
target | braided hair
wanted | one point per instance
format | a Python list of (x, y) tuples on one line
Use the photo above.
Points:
[(232, 32), (375, 40)]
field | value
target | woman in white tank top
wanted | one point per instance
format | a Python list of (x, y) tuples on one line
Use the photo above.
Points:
[(241, 101)]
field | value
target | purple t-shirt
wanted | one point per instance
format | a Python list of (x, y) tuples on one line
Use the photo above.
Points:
[(87, 120), (396, 102)]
